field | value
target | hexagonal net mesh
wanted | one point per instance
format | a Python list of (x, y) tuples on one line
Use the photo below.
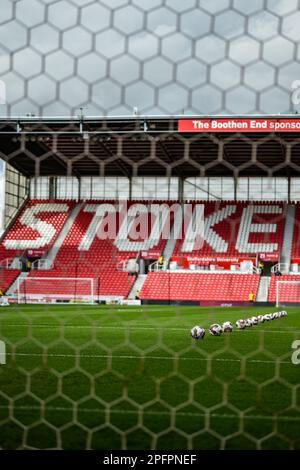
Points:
[(131, 378), (98, 377), (214, 56)]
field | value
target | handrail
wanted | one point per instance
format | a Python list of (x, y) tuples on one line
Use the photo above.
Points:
[(5, 263), (41, 264), (10, 263), (280, 267), (256, 270), (122, 265), (156, 266)]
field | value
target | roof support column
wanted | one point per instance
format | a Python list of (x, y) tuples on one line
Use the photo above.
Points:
[(180, 188), (130, 188), (235, 186), (79, 188), (51, 194)]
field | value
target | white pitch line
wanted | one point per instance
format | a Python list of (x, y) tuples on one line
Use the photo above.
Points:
[(166, 358), (152, 413), (138, 328)]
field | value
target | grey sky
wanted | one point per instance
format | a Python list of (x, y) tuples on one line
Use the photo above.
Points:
[(163, 56)]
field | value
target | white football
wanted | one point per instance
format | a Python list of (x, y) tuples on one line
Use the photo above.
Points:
[(260, 319), (215, 329), (240, 324), (254, 320), (248, 322), (267, 317), (197, 332), (227, 327)]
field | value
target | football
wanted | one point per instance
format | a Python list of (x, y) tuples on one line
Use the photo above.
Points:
[(215, 329), (227, 327), (4, 301), (197, 332), (240, 324), (267, 317), (260, 319), (254, 320), (248, 322)]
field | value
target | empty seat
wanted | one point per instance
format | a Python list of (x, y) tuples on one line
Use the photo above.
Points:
[(199, 286)]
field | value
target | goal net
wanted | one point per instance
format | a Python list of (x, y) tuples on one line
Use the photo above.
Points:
[(117, 377), (57, 289), (287, 292)]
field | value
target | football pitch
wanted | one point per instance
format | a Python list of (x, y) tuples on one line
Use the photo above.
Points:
[(119, 377)]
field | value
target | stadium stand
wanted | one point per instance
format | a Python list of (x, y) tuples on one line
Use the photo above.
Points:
[(36, 227), (288, 292), (199, 287), (296, 237), (229, 224), (7, 277), (233, 231), (84, 254)]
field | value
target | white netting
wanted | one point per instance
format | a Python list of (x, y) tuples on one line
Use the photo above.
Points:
[(97, 377), (110, 377), (112, 56), (287, 292), (57, 289)]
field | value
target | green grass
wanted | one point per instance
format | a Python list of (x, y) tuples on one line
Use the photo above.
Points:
[(95, 377)]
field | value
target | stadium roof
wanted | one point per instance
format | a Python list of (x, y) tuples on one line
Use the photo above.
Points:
[(145, 146)]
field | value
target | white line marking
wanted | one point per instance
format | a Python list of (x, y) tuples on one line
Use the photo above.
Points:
[(146, 328), (166, 358), (153, 413)]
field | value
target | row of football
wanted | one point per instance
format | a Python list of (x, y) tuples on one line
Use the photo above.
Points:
[(197, 332)]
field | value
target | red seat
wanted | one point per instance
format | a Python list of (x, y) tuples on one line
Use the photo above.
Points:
[(287, 292), (199, 287), (7, 277)]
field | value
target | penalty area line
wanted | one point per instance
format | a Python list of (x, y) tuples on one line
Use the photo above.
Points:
[(163, 358), (151, 412), (284, 330)]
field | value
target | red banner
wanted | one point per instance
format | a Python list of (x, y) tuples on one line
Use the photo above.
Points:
[(239, 125)]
